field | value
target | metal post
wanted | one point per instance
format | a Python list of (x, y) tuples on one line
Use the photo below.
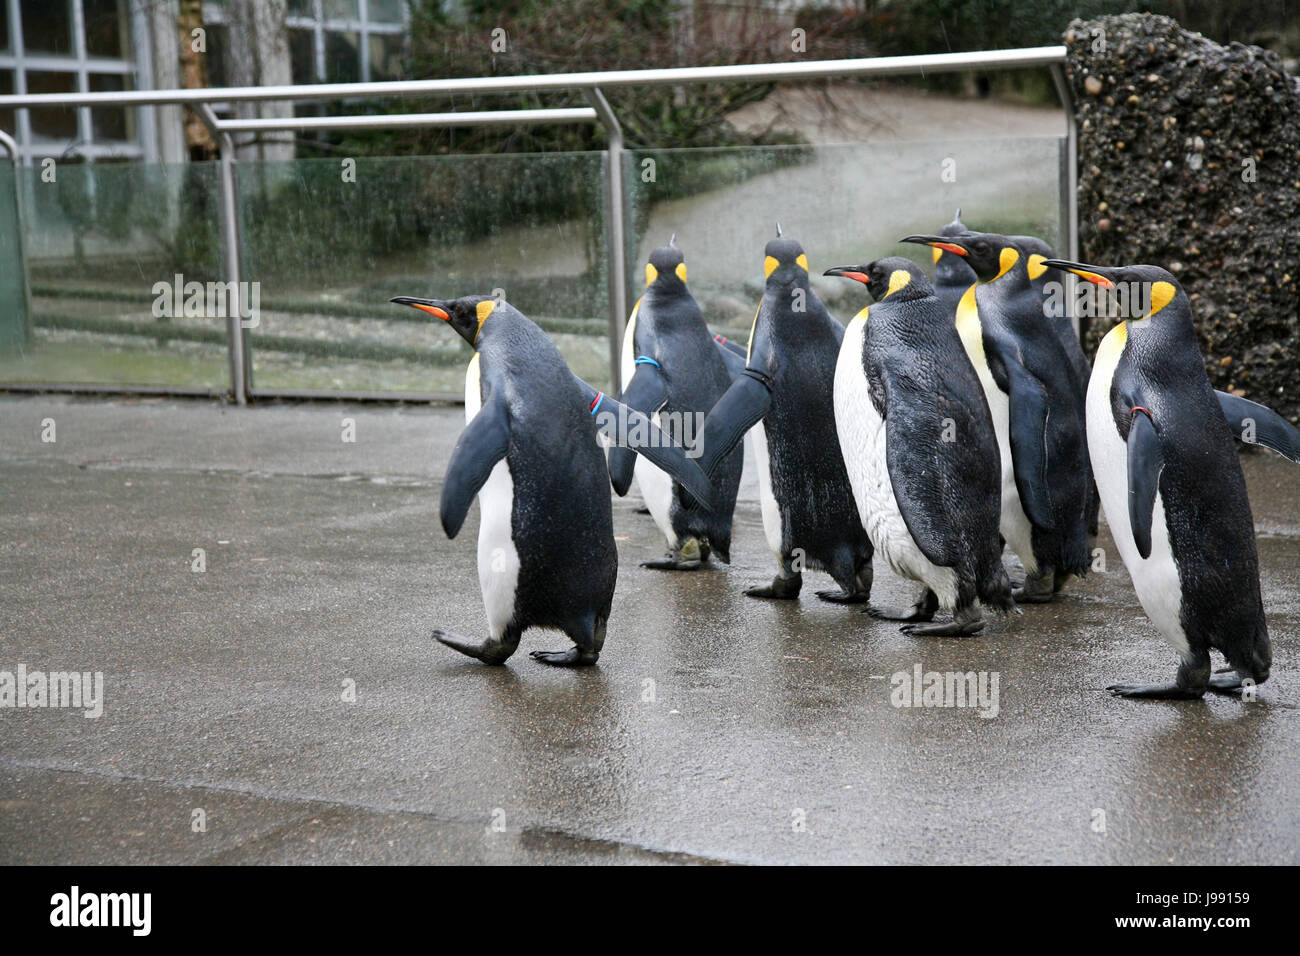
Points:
[(617, 233), (230, 255), (1069, 185), (11, 147)]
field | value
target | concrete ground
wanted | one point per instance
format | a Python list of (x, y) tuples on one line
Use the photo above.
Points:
[(716, 728)]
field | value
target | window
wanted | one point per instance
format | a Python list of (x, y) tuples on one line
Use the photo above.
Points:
[(68, 46), (47, 26), (337, 41), (107, 28), (53, 122), (113, 124)]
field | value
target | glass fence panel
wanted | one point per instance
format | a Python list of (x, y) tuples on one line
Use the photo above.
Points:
[(125, 281), (847, 204), (118, 261), (329, 241)]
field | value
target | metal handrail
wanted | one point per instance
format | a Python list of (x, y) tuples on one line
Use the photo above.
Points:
[(403, 120), (540, 82), (590, 84)]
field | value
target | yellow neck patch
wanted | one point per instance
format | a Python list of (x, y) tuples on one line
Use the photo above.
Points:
[(898, 279), (802, 262), (1162, 293), (1112, 346), (769, 266), (1007, 259), (681, 271), (968, 327), (483, 310), (936, 252), (651, 273), (1035, 265)]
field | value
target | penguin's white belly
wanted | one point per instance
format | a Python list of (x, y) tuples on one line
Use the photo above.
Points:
[(862, 435), (657, 490), (1014, 523), (1155, 579), (498, 559), (653, 483), (766, 497)]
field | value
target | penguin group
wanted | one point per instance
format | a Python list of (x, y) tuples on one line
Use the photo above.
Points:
[(955, 423)]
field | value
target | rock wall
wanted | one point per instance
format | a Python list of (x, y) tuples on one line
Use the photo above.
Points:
[(1189, 158)]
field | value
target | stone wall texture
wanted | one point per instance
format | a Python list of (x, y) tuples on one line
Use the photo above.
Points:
[(1189, 159)]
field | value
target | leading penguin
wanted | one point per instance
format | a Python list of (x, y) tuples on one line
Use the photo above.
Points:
[(674, 371), (787, 390), (1172, 487), (546, 552), (920, 449), (1037, 412)]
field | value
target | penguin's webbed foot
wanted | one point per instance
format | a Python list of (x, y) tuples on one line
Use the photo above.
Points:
[(690, 556), (671, 563), (913, 613), (922, 610), (489, 651), (954, 628), (1229, 682), (1156, 691), (1037, 589), (781, 589), (573, 657), (845, 597)]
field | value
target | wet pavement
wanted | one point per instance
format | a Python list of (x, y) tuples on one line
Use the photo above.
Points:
[(716, 728)]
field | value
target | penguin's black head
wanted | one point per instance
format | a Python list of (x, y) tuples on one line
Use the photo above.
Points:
[(466, 315), (894, 276), (784, 259), (954, 228), (1134, 292), (989, 254), (1037, 251), (667, 266)]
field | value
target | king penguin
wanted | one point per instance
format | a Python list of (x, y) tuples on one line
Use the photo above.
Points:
[(920, 449), (952, 276), (787, 390), (1047, 283), (674, 372), (1172, 487), (530, 452), (1037, 412)]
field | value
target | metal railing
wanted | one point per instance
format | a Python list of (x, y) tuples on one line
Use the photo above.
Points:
[(589, 84)]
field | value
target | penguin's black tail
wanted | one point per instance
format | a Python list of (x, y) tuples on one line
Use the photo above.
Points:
[(1076, 558), (992, 584), (1255, 657)]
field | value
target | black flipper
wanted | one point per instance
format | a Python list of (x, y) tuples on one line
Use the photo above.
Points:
[(1029, 423), (612, 416), (733, 357), (646, 393), (1145, 462), (1271, 429), (482, 444), (736, 412)]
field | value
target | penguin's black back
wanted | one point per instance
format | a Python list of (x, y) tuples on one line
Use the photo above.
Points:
[(671, 330), (561, 518), (799, 350), (1012, 323), (1207, 510), (948, 489)]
